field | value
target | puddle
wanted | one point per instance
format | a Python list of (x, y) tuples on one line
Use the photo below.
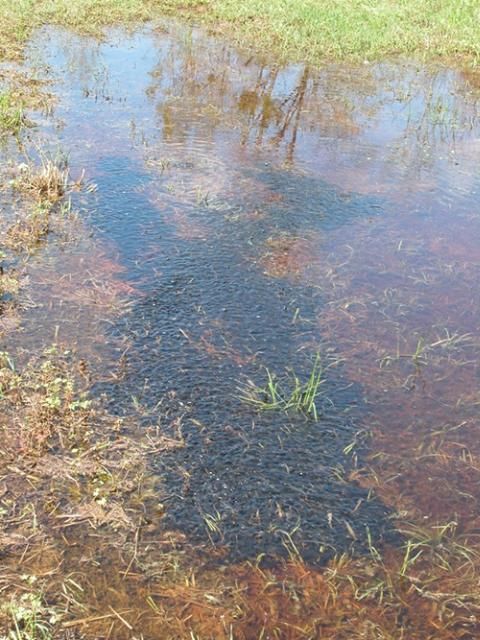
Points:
[(249, 217)]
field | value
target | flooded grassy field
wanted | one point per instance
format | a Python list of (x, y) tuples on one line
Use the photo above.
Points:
[(239, 366)]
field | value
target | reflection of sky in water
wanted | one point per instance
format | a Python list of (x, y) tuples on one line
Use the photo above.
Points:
[(352, 178), (191, 91)]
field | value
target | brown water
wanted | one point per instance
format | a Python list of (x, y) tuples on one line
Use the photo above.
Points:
[(250, 216)]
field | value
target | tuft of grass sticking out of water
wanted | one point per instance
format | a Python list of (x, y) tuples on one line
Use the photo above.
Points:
[(44, 188), (45, 183), (287, 394), (12, 118)]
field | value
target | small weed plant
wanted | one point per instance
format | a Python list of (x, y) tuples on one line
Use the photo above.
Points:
[(11, 115), (30, 618), (287, 393)]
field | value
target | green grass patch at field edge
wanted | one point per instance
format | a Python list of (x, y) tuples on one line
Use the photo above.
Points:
[(308, 30)]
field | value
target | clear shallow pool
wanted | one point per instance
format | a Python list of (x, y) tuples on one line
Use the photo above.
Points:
[(251, 217)]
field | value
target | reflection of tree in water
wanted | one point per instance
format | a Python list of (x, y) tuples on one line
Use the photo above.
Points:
[(198, 85), (201, 83), (438, 112), (263, 110)]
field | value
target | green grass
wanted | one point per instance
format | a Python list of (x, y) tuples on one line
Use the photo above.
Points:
[(20, 18), (28, 617), (357, 29), (11, 114), (310, 30), (288, 393)]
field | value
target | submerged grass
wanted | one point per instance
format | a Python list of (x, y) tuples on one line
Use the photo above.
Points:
[(30, 618), (298, 30)]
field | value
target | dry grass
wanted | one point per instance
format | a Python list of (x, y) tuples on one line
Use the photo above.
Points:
[(29, 229), (19, 92), (25, 89), (11, 280), (41, 404), (46, 183), (45, 207), (65, 466), (9, 283)]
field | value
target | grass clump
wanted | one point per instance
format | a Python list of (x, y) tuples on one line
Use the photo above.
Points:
[(9, 283), (28, 231), (12, 118), (44, 189), (30, 618), (288, 393), (46, 183)]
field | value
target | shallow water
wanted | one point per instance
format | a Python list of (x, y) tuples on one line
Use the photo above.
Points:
[(250, 216)]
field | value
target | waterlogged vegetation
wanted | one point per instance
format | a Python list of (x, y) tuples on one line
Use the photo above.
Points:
[(63, 465), (288, 394), (239, 346), (31, 619), (40, 189), (11, 114)]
